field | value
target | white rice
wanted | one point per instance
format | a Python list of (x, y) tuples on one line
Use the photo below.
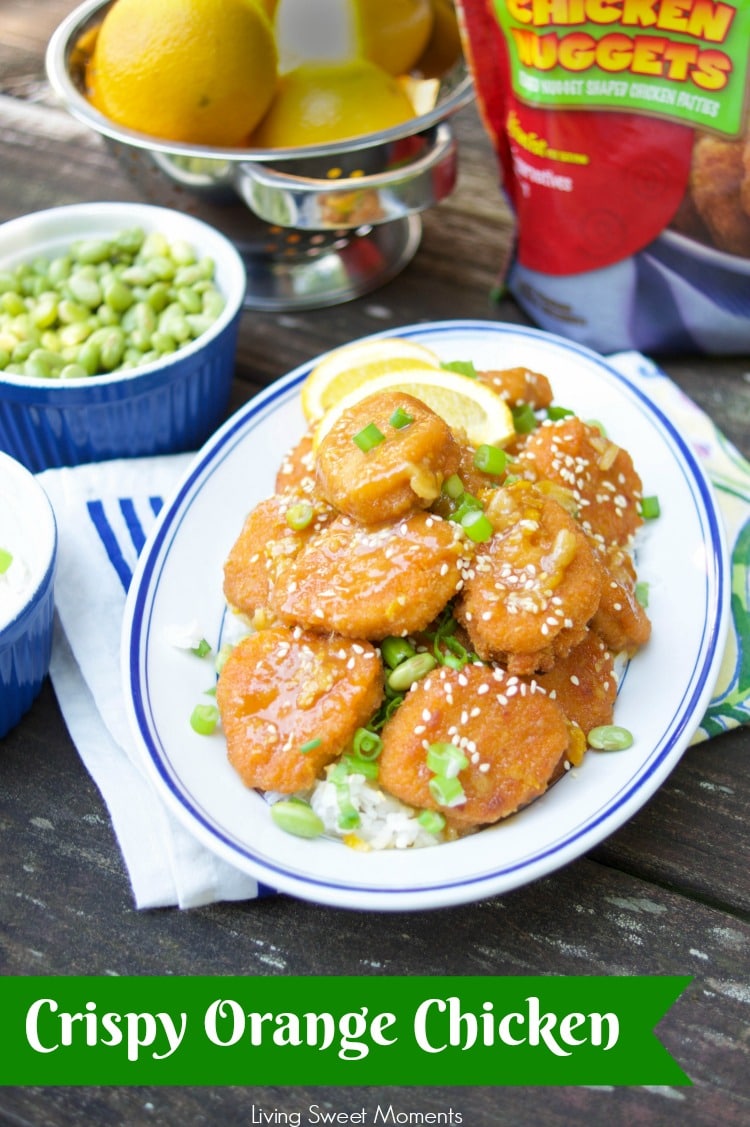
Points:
[(384, 821)]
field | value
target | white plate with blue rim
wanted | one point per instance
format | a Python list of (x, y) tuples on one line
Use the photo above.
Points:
[(662, 697)]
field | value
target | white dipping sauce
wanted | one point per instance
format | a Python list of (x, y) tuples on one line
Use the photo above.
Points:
[(26, 533)]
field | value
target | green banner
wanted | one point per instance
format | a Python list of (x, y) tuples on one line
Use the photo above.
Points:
[(342, 1031), (684, 61)]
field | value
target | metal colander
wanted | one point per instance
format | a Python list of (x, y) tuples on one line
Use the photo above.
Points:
[(316, 225)]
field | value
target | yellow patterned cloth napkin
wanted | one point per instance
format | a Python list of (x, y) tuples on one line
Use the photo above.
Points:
[(729, 474)]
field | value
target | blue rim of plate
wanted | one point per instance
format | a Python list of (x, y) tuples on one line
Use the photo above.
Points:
[(498, 877)]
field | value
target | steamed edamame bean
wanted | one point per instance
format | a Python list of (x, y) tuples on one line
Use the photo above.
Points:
[(105, 305), (610, 737)]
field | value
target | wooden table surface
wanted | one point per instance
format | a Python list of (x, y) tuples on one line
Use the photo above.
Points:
[(669, 893)]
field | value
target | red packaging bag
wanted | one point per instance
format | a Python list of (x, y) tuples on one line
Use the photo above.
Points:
[(621, 129)]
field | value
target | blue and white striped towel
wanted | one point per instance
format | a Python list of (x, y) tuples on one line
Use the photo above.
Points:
[(104, 513)]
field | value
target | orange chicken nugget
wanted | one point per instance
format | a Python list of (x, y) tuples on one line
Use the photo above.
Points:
[(519, 385), (620, 619), (514, 737), (265, 547), (371, 582), (584, 683), (401, 473), (290, 703), (297, 470), (599, 474), (533, 587)]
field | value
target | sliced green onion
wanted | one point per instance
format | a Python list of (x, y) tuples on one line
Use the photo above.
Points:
[(432, 821), (348, 816), (296, 817), (455, 655), (650, 508), (310, 745), (6, 559), (400, 418), (202, 649), (446, 759), (490, 459), (467, 503), (446, 627), (395, 650), (453, 487), (204, 719), (478, 527), (446, 792), (366, 744), (524, 419), (414, 669), (387, 709), (554, 413), (220, 660), (368, 438), (443, 636), (463, 367), (641, 593), (610, 737), (597, 426), (300, 516), (355, 765)]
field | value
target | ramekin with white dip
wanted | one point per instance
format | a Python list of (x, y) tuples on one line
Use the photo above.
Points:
[(28, 553)]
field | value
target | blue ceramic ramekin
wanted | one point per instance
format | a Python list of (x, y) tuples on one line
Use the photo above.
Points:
[(28, 535), (166, 407)]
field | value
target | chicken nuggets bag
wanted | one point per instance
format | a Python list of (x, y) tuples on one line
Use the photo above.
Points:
[(621, 129)]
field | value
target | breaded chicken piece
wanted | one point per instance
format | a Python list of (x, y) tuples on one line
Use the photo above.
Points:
[(297, 469), (477, 482), (533, 587), (598, 473), (401, 474), (519, 385), (264, 549), (620, 620), (290, 703), (584, 683), (717, 183), (371, 582), (513, 735)]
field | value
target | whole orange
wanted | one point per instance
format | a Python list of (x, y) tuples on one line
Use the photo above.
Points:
[(321, 102), (444, 45), (394, 32), (198, 71)]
